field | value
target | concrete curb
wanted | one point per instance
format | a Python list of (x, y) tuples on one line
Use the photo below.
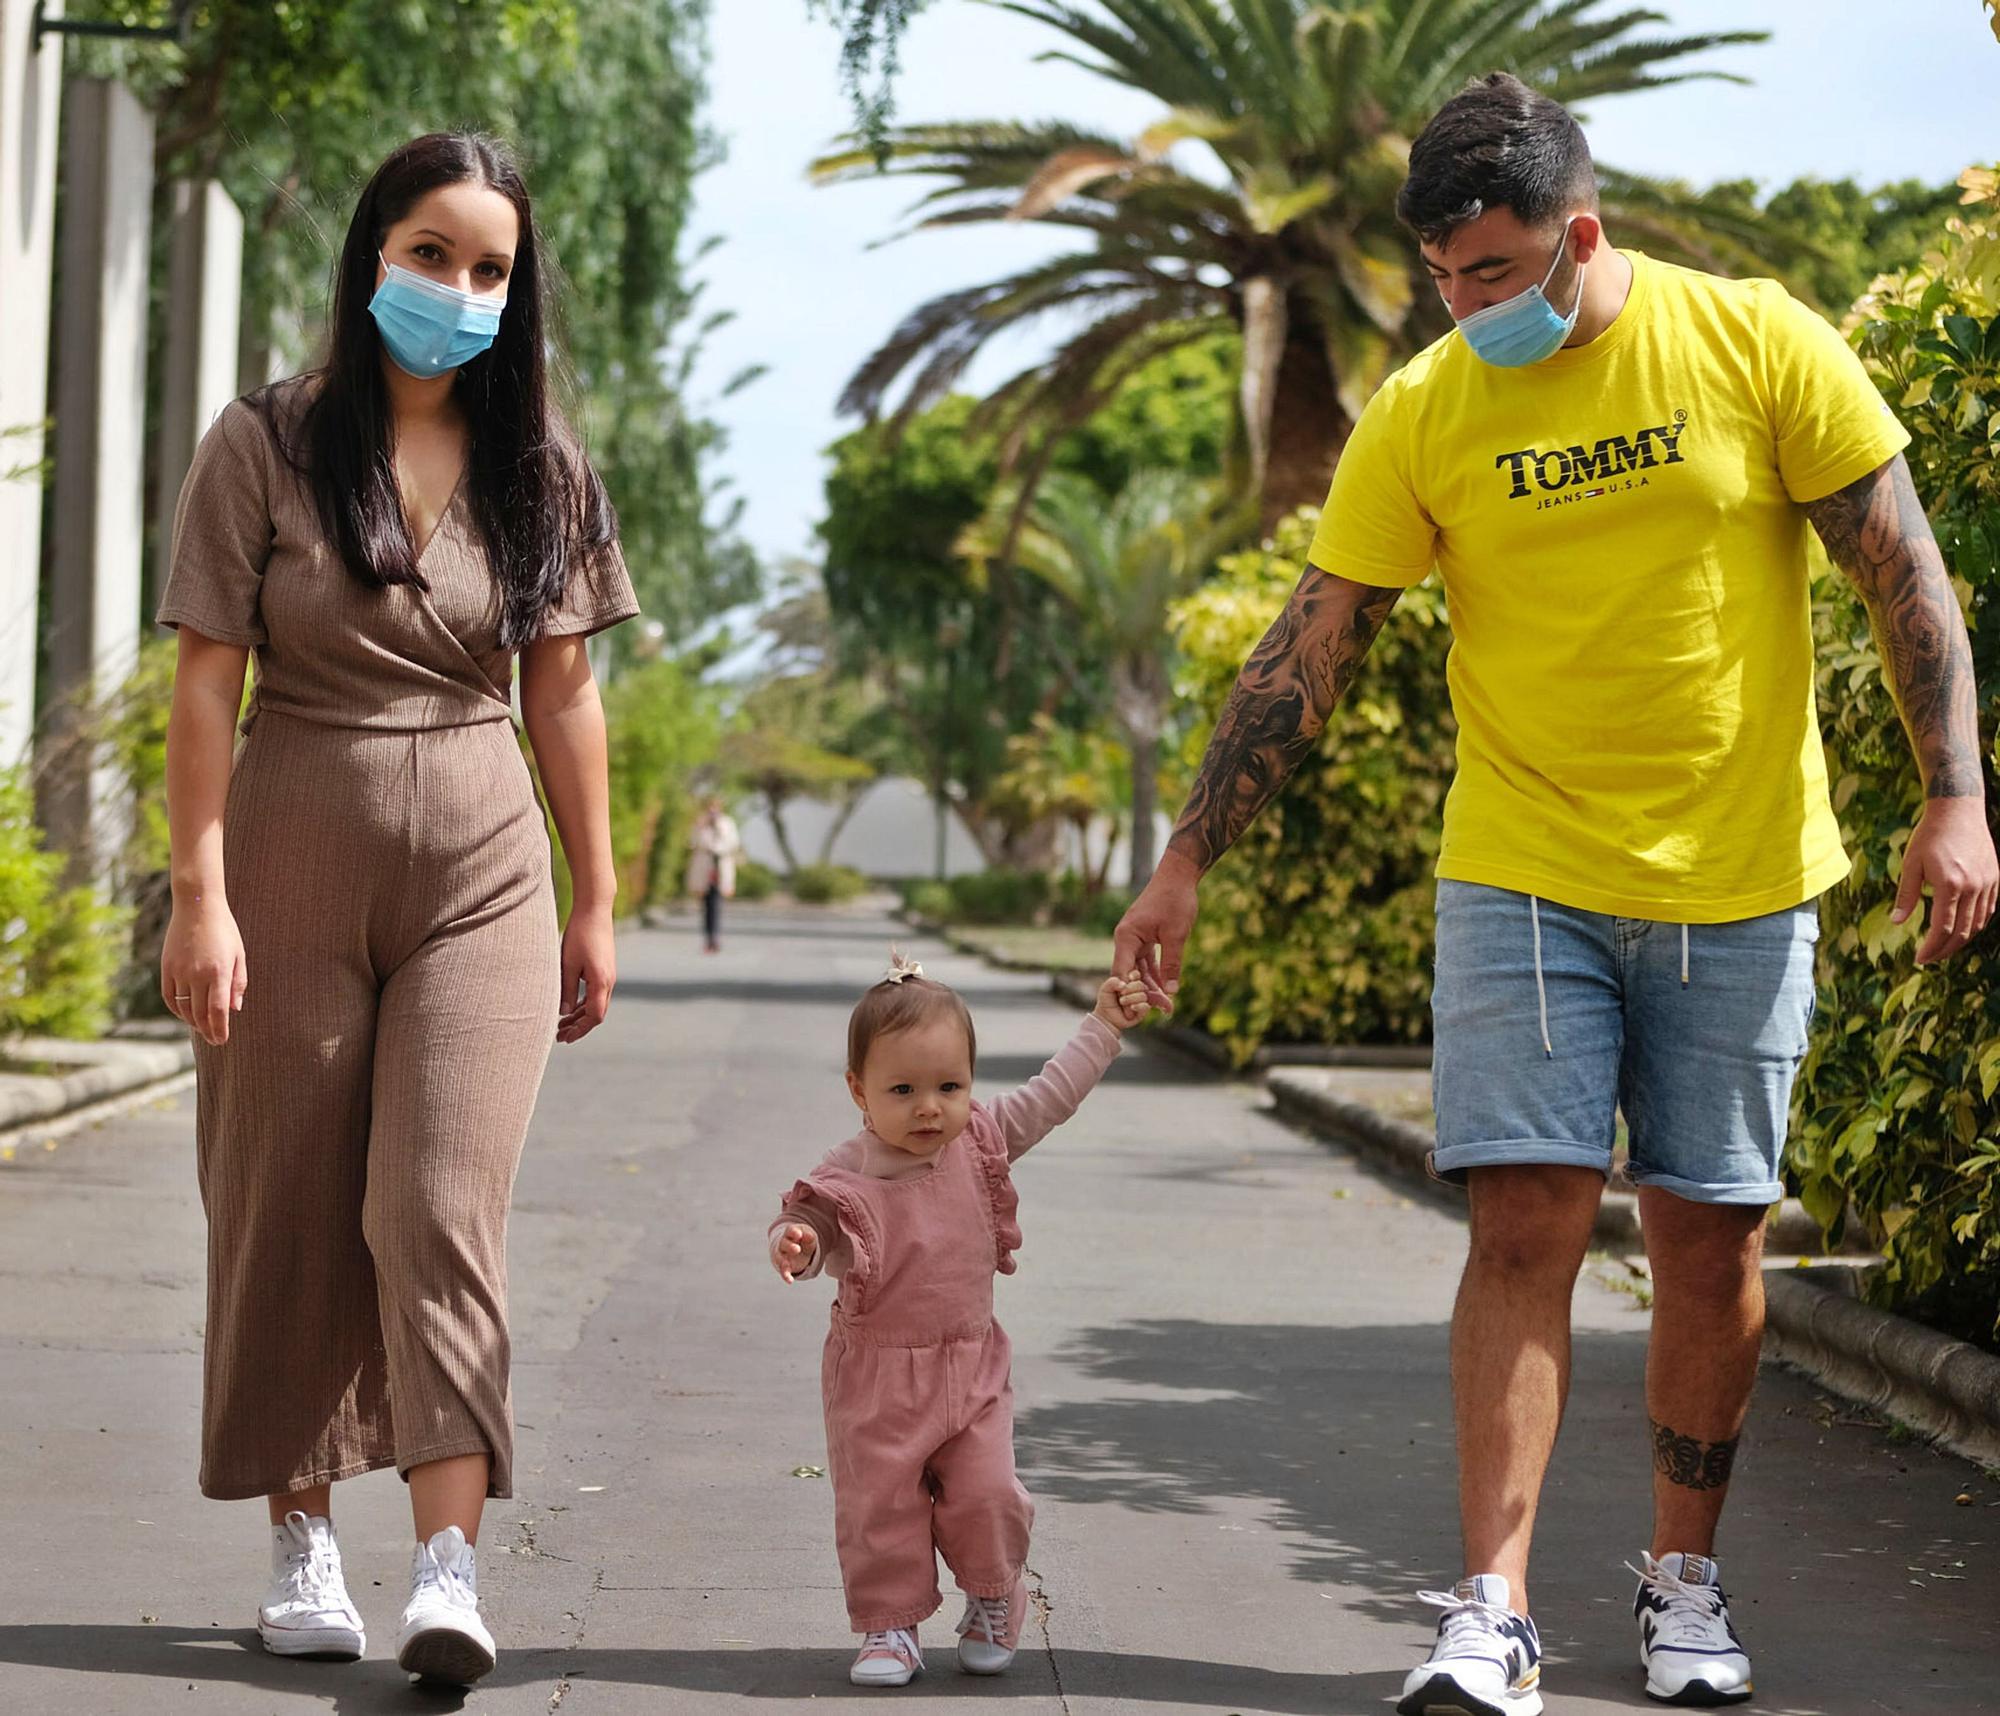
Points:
[(1946, 1388), (95, 1072)]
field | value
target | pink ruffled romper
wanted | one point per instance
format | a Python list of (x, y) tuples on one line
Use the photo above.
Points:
[(915, 1375)]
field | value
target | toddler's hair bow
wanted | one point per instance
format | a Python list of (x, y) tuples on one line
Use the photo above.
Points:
[(901, 967)]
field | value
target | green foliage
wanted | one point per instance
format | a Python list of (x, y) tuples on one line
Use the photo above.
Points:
[(999, 896), (962, 658), (662, 728), (60, 948), (755, 881), (1317, 926), (827, 884), (1851, 235), (871, 33), (931, 901), (1896, 1103)]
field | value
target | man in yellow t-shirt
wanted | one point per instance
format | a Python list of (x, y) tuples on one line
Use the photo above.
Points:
[(1612, 463)]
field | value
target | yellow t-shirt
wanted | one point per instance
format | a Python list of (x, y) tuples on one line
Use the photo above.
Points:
[(1623, 546)]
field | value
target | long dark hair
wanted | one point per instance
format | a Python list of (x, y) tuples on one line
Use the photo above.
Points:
[(535, 500)]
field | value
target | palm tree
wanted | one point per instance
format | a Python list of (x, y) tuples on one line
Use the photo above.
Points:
[(1120, 566), (1307, 108)]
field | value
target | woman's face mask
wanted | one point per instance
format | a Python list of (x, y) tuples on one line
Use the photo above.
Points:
[(1525, 328), (429, 328)]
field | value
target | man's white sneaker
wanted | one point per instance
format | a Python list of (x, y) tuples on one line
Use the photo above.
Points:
[(307, 1611), (988, 1632), (888, 1658), (1487, 1660), (1687, 1642), (442, 1638)]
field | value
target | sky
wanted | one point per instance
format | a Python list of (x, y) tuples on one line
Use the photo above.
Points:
[(1843, 89)]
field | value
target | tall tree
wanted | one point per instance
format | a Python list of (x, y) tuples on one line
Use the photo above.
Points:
[(1120, 568), (1306, 108)]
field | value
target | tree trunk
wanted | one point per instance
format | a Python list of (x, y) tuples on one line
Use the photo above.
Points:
[(841, 818), (774, 806), (1145, 749), (1308, 430)]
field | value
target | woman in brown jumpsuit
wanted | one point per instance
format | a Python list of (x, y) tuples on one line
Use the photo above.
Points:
[(364, 934)]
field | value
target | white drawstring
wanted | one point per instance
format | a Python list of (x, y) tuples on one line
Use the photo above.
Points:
[(1684, 956), (1541, 984)]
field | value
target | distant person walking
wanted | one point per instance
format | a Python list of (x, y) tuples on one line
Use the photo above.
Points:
[(364, 932), (713, 849)]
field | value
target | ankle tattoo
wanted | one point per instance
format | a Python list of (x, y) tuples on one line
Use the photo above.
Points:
[(1689, 1462)]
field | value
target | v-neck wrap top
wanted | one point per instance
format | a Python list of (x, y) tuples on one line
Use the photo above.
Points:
[(254, 567)]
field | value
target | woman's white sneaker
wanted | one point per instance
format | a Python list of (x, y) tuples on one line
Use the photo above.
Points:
[(1687, 1642), (1487, 1660), (888, 1658), (442, 1637), (307, 1611)]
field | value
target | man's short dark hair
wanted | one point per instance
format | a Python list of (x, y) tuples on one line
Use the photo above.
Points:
[(1496, 144)]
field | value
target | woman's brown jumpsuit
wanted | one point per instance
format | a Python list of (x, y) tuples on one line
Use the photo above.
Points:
[(388, 867)]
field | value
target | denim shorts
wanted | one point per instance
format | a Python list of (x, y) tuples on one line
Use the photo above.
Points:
[(1549, 1020)]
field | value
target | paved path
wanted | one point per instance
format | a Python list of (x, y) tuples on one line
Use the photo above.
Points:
[(1233, 1414)]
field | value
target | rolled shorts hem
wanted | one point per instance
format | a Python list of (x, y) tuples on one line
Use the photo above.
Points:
[(1449, 1161), (1707, 1191), (896, 1617)]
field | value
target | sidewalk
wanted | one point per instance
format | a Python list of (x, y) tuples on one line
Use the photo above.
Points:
[(1232, 1401)]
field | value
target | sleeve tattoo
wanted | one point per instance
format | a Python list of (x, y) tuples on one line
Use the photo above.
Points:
[(1876, 532), (1282, 699)]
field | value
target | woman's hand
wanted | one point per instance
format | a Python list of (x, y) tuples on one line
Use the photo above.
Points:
[(1122, 1001), (794, 1250), (203, 974), (589, 974)]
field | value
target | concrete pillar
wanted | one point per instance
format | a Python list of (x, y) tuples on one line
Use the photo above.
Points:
[(204, 307), (30, 96), (100, 476)]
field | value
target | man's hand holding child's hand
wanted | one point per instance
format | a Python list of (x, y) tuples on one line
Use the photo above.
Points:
[(1121, 1001), (794, 1250)]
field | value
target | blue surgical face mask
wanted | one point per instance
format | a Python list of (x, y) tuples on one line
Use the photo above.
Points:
[(1525, 328), (429, 327)]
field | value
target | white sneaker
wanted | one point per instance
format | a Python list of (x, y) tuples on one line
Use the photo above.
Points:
[(307, 1611), (1687, 1642), (888, 1658), (988, 1632), (443, 1638), (1487, 1660)]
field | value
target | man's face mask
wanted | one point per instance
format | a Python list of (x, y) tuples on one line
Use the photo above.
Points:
[(1525, 328)]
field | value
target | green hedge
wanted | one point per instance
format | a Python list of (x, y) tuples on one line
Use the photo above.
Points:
[(827, 884), (60, 948), (1317, 925), (1897, 1125)]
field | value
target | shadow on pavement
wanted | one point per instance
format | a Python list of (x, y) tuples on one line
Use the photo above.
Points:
[(712, 982), (365, 1688)]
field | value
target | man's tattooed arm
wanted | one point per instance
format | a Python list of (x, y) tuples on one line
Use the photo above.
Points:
[(1282, 699), (1692, 1464), (1876, 532)]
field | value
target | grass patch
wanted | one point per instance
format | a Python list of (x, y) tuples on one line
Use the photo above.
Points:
[(1052, 949)]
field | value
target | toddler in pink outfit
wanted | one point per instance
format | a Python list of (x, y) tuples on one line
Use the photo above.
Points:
[(913, 1217)]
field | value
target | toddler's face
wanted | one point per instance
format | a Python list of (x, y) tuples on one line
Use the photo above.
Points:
[(916, 1089)]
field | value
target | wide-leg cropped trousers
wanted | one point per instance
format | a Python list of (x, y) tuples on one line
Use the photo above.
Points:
[(360, 1131)]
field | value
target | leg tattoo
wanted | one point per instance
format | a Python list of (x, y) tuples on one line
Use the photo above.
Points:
[(1693, 1464)]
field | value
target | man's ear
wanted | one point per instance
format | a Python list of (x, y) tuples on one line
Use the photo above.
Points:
[(1586, 236)]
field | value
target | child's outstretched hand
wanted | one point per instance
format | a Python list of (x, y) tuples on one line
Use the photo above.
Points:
[(1121, 1001), (794, 1250)]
